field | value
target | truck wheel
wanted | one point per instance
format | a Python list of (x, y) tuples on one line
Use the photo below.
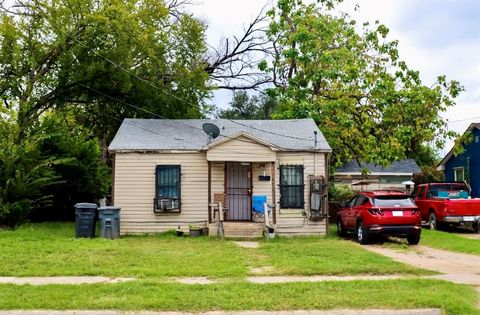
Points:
[(413, 239), (362, 234), (432, 223), (340, 229)]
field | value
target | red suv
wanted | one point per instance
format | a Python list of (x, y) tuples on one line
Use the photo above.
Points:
[(380, 213)]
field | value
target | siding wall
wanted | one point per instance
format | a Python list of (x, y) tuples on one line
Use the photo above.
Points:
[(291, 221), (134, 190), (470, 157)]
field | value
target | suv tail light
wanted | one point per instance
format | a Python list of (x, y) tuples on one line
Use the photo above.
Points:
[(375, 211)]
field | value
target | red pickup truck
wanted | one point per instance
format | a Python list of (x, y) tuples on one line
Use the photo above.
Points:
[(441, 204)]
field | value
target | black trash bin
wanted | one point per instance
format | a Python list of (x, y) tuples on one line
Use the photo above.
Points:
[(85, 219), (109, 218)]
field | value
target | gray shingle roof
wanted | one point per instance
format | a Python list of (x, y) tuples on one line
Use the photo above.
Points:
[(187, 134), (404, 166)]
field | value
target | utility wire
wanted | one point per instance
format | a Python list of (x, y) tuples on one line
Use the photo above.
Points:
[(173, 95)]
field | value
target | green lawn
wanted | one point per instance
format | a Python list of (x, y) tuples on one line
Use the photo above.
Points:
[(151, 295), (331, 256), (450, 241), (51, 250)]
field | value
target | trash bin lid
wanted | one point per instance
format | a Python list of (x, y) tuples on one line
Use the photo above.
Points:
[(109, 208), (85, 205)]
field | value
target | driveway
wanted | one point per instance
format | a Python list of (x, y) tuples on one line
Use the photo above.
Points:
[(454, 267)]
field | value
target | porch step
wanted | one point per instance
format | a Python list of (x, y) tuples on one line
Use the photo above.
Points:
[(243, 229)]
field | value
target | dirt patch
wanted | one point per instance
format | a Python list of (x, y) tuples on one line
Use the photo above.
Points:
[(194, 280), (246, 244), (262, 270)]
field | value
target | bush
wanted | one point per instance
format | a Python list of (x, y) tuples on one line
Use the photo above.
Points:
[(23, 172), (340, 193)]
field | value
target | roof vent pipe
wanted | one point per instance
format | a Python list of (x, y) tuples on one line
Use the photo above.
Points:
[(315, 133)]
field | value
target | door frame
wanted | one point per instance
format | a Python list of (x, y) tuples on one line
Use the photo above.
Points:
[(250, 190)]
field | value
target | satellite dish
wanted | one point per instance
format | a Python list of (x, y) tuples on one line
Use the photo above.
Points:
[(211, 130)]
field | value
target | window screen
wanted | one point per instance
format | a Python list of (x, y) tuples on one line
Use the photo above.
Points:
[(291, 186)]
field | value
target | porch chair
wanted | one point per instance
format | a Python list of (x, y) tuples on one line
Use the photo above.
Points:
[(220, 206), (258, 207)]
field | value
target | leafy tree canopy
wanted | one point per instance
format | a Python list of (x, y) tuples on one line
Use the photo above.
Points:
[(244, 106), (369, 104), (93, 53)]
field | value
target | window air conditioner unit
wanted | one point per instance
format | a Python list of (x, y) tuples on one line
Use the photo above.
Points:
[(162, 205)]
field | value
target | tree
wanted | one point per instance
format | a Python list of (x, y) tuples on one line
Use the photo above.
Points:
[(99, 55), (244, 106), (369, 104)]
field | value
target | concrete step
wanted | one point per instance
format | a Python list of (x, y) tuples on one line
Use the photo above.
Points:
[(243, 229)]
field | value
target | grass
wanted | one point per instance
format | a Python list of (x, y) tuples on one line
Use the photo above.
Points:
[(150, 295), (51, 250), (451, 242), (331, 256)]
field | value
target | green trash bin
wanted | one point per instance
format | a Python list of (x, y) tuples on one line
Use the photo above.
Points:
[(85, 219), (109, 218)]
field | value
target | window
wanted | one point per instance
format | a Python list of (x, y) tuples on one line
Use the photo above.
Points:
[(458, 173), (361, 200), (291, 187), (476, 139), (167, 188), (393, 201), (352, 202)]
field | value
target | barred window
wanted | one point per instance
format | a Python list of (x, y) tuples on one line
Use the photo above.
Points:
[(167, 188), (291, 186)]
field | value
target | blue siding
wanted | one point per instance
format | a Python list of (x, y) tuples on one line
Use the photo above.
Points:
[(472, 153)]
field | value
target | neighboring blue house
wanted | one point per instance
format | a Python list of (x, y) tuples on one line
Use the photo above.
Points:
[(465, 166)]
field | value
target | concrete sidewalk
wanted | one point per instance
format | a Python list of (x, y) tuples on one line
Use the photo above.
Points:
[(299, 312)]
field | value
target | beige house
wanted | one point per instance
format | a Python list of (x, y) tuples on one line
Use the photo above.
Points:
[(170, 173), (368, 176)]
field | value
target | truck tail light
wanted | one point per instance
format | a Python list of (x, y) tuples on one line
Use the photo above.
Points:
[(375, 211)]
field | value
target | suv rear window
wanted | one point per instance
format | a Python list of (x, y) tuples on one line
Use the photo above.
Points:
[(393, 201)]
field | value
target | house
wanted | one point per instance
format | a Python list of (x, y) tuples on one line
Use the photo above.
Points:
[(168, 173), (465, 166), (376, 176)]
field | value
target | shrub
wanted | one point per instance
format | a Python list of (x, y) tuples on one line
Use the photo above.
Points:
[(340, 193)]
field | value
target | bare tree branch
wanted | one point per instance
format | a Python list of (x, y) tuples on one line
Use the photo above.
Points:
[(234, 64)]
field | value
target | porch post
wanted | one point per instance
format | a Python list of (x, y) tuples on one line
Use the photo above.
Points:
[(209, 191), (274, 214)]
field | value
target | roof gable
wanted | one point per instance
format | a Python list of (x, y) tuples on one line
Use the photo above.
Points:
[(239, 136), (187, 134), (441, 165)]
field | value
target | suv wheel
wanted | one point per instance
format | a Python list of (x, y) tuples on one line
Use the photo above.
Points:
[(413, 239), (432, 222), (362, 234), (340, 230)]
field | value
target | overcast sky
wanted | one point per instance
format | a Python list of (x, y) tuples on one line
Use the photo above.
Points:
[(436, 37)]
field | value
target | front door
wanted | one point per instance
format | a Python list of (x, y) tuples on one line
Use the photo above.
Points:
[(238, 188)]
